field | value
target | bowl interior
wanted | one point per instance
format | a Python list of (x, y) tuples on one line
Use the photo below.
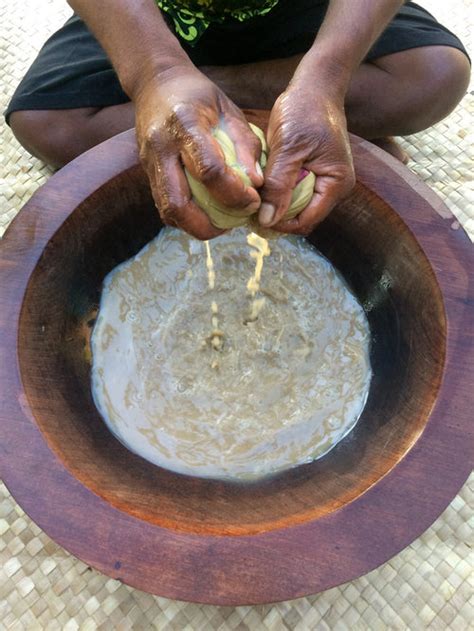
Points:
[(383, 264)]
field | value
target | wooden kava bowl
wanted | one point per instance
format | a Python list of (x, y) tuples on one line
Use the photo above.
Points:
[(293, 534)]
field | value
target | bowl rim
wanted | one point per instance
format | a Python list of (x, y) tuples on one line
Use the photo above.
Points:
[(269, 566)]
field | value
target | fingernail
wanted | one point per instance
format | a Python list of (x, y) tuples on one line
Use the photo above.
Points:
[(266, 214), (258, 168)]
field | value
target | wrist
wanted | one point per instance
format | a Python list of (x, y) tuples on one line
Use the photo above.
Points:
[(155, 70), (322, 72)]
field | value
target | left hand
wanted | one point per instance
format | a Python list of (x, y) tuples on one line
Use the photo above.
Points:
[(307, 128)]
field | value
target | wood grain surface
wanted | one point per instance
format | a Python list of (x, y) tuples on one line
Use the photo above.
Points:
[(212, 541)]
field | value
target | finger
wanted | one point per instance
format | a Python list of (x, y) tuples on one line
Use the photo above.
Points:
[(195, 222), (173, 199), (328, 192), (247, 147), (204, 159), (281, 175)]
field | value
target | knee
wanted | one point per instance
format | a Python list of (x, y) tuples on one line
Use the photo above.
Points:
[(47, 134), (36, 130), (449, 73), (440, 78)]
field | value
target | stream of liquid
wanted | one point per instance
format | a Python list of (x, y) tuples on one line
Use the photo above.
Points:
[(260, 250), (287, 379)]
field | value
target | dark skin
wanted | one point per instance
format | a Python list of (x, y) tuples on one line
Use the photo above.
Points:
[(315, 138), (175, 105), (174, 129)]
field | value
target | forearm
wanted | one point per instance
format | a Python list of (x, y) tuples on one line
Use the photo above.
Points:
[(346, 35), (135, 37)]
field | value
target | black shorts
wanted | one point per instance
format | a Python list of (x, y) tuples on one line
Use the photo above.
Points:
[(72, 70)]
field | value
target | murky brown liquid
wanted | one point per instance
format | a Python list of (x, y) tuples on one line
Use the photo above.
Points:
[(280, 390)]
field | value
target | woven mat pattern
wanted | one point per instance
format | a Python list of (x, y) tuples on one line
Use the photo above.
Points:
[(429, 585)]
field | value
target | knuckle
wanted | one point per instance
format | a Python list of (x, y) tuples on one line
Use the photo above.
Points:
[(180, 122), (151, 138), (178, 115), (183, 112), (175, 127), (210, 171)]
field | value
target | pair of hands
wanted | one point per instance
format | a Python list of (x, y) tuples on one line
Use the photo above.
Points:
[(174, 120)]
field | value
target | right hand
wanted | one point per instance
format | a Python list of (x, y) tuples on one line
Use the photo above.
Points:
[(175, 114)]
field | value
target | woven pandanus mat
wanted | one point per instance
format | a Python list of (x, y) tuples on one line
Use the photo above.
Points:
[(429, 585)]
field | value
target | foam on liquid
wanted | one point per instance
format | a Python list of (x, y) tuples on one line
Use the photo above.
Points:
[(287, 380)]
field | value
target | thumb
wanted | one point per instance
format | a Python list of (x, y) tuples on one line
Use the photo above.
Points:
[(281, 176)]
